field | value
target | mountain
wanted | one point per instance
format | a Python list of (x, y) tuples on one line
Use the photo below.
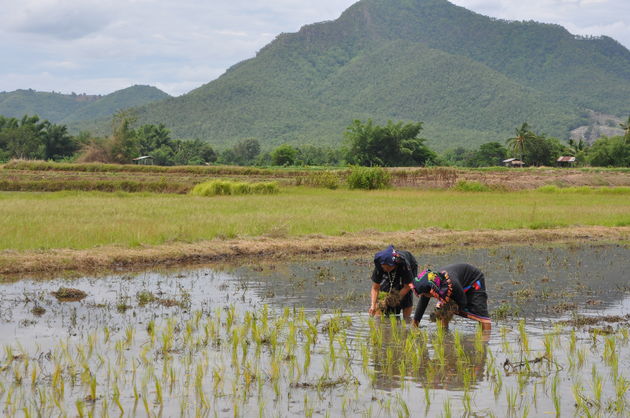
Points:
[(68, 108), (106, 106), (470, 78), (51, 106)]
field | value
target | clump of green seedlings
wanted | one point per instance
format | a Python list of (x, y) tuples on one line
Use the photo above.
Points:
[(69, 294), (387, 300)]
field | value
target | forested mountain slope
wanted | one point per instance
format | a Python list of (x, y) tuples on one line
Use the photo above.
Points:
[(470, 78)]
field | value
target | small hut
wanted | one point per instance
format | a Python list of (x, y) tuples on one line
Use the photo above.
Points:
[(565, 161), (144, 160), (513, 162)]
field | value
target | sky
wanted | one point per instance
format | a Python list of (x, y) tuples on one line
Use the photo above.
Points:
[(98, 47)]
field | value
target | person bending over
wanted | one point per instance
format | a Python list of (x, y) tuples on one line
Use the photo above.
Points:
[(460, 290), (394, 271)]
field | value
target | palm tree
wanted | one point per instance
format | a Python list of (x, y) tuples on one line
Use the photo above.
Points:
[(523, 136)]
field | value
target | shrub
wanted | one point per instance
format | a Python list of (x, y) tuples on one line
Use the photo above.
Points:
[(368, 178), (225, 188), (327, 179), (471, 186), (265, 188)]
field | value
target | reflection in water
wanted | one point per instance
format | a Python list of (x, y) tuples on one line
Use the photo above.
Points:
[(436, 360)]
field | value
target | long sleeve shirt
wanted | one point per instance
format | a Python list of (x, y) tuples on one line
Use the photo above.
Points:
[(462, 277)]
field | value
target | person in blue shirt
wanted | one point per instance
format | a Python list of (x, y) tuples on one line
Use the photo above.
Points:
[(459, 289)]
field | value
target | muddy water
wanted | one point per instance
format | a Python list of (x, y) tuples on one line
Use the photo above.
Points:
[(360, 367)]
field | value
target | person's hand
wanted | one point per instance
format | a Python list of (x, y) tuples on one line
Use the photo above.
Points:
[(415, 323), (372, 309)]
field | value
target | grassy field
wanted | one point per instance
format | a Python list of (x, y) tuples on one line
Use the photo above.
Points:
[(50, 177), (81, 220)]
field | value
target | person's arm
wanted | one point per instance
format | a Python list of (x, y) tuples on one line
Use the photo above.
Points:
[(404, 291), (376, 287), (420, 308), (406, 282)]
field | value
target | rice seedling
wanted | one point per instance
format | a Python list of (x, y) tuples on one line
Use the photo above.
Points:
[(548, 341), (581, 402), (498, 385), (467, 403), (427, 395), (581, 355), (525, 410), (554, 394), (523, 336), (511, 398), (507, 348), (446, 411)]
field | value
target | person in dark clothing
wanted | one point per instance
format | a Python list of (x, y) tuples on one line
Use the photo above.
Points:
[(460, 288), (394, 271)]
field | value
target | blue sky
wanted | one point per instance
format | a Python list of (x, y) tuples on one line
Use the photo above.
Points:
[(97, 47)]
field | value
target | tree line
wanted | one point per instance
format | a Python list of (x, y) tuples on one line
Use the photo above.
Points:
[(366, 144), (537, 149)]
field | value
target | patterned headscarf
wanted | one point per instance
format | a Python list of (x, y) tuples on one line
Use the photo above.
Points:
[(436, 284)]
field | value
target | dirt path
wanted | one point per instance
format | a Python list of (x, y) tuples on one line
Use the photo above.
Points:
[(112, 258)]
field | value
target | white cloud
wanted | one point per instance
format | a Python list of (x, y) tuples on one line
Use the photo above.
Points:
[(583, 17), (95, 46), (63, 19)]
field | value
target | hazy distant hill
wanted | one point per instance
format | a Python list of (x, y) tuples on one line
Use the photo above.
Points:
[(67, 108), (106, 106), (470, 78)]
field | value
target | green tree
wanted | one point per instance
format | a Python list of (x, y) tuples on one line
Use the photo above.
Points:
[(613, 152), (246, 151), (520, 141), (193, 152), (626, 129), (489, 154), (575, 147), (58, 143), (315, 155), (23, 138), (395, 144), (124, 145), (153, 137), (543, 151), (284, 155)]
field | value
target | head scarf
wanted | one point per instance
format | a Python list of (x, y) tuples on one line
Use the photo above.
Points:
[(436, 284), (426, 282), (388, 256)]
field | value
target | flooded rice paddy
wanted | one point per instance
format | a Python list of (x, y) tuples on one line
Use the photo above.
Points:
[(294, 339)]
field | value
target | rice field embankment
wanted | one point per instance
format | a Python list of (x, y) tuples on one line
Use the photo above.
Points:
[(48, 176)]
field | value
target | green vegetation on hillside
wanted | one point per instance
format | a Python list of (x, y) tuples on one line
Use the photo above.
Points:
[(468, 77), (108, 105), (67, 108)]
